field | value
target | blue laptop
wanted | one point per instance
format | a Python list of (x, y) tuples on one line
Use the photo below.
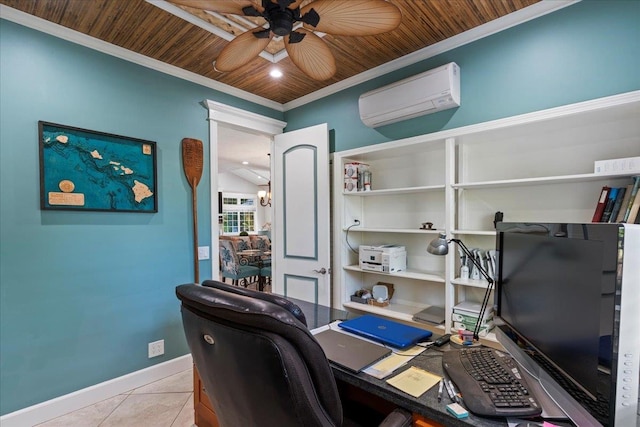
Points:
[(385, 331)]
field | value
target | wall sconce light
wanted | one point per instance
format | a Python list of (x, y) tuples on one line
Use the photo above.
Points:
[(440, 246), (265, 196)]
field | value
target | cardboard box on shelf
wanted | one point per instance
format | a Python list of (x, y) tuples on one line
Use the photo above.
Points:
[(354, 177), (350, 185)]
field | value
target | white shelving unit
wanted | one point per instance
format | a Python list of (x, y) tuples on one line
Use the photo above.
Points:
[(535, 167)]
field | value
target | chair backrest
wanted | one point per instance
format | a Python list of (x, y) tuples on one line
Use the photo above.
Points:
[(274, 298), (259, 363), (240, 243), (229, 261), (261, 242)]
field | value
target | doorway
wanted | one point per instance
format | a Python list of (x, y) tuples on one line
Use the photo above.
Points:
[(244, 169), (223, 119)]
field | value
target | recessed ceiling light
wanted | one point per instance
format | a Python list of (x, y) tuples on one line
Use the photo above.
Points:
[(245, 163), (275, 73)]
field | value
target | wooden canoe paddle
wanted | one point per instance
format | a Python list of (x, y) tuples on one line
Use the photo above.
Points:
[(192, 164)]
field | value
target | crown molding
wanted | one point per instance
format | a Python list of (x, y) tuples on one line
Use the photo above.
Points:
[(523, 15), (73, 36), (511, 20)]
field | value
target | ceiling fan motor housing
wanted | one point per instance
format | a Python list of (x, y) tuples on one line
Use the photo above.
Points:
[(280, 20)]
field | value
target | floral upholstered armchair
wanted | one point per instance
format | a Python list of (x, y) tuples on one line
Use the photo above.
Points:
[(261, 242), (231, 268)]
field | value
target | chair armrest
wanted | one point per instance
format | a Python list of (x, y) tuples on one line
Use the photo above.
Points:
[(398, 418)]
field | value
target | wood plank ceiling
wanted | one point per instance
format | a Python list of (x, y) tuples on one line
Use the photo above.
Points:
[(142, 27)]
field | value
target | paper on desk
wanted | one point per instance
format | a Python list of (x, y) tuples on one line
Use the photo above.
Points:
[(333, 325), (414, 381), (386, 366)]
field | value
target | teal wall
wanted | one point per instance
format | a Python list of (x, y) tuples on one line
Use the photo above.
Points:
[(81, 294), (587, 50)]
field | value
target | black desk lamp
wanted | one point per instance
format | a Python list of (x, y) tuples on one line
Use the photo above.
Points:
[(440, 246)]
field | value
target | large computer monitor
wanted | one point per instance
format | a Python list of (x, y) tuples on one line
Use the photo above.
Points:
[(569, 298)]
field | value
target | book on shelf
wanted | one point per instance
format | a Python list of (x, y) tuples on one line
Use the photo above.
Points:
[(632, 200), (623, 205), (472, 309), (484, 329), (602, 203), (470, 320), (634, 212), (608, 207), (617, 204)]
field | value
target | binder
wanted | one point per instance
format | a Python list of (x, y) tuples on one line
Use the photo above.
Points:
[(602, 202)]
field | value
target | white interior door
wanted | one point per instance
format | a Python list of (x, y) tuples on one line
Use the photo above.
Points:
[(300, 185)]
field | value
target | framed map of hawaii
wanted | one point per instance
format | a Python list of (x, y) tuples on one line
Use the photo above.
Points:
[(92, 171)]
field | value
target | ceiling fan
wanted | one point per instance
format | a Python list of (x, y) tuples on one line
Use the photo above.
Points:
[(306, 49)]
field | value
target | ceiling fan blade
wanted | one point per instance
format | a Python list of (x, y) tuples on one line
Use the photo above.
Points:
[(353, 17), (311, 55), (221, 6), (240, 51)]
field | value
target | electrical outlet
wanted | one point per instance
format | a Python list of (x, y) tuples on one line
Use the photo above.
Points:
[(156, 348), (203, 252)]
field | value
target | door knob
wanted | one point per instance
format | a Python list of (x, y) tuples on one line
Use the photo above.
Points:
[(321, 271)]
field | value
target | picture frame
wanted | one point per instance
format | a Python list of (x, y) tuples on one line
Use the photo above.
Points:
[(86, 170)]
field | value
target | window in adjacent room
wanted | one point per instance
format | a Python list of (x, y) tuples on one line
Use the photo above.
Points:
[(238, 212)]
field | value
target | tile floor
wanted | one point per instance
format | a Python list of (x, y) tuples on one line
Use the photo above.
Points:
[(164, 403)]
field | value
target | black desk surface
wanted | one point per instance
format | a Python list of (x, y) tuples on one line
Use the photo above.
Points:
[(430, 360)]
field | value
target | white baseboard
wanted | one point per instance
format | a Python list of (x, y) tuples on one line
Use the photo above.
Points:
[(58, 406)]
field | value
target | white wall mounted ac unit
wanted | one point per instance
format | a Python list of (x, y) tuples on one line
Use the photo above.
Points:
[(424, 93)]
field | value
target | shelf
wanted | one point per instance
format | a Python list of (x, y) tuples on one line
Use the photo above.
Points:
[(475, 232), (395, 191), (525, 165), (409, 274), (470, 282), (546, 180), (394, 311), (392, 230)]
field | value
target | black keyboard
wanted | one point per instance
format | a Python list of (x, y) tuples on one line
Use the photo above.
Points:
[(490, 382)]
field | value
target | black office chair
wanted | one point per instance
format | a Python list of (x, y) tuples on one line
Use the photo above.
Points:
[(259, 363)]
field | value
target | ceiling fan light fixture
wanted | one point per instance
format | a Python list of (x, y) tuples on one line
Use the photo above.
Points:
[(275, 73)]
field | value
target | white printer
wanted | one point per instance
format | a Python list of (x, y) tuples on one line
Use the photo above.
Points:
[(383, 258)]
